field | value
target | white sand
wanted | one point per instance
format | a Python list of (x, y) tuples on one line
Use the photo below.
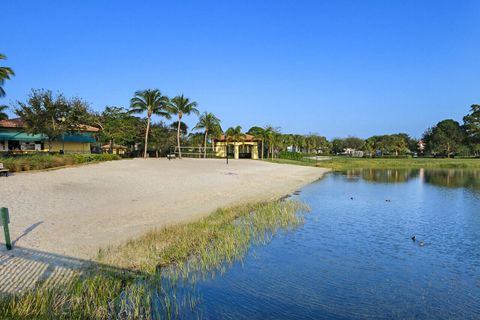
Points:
[(72, 212)]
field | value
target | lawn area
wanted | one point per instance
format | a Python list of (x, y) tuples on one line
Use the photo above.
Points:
[(343, 163), (47, 161)]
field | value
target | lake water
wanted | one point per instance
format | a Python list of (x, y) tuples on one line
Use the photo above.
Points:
[(354, 257)]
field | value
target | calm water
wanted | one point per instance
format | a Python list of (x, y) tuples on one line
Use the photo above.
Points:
[(355, 259)]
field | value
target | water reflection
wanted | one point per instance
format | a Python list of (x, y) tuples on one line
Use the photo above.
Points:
[(451, 178), (382, 175)]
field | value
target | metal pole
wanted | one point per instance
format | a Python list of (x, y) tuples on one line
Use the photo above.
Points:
[(5, 221)]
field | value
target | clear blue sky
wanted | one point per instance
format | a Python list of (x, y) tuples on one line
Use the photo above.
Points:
[(335, 67)]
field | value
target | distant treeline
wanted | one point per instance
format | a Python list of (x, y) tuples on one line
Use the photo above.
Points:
[(54, 115), (447, 138)]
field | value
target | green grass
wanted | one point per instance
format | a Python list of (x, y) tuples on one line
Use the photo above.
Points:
[(343, 163), (154, 264), (47, 161)]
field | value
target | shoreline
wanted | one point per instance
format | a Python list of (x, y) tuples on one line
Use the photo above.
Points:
[(55, 244)]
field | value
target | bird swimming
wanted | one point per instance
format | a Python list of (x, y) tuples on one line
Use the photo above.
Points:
[(413, 238), (351, 198)]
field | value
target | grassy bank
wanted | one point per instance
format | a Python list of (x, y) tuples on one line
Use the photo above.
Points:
[(343, 163), (149, 269), (47, 161)]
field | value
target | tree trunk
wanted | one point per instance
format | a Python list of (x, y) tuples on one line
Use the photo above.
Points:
[(178, 135), (111, 146), (205, 145), (263, 148), (146, 138)]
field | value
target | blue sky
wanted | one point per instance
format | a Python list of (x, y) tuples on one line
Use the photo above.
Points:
[(336, 68)]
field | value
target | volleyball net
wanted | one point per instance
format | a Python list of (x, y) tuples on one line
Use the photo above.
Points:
[(217, 152)]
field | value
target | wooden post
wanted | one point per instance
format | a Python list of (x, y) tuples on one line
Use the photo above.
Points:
[(5, 222)]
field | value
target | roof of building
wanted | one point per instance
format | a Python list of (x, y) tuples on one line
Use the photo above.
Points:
[(23, 136), (11, 123), (246, 138), (18, 123)]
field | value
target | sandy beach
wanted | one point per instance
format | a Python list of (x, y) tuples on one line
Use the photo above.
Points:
[(68, 214)]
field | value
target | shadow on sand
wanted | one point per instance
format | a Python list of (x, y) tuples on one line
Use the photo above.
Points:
[(22, 268)]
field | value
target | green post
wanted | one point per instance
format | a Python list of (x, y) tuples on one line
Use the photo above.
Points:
[(5, 222)]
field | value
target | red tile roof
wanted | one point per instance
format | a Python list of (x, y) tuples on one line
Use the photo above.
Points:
[(11, 123), (246, 138), (18, 123)]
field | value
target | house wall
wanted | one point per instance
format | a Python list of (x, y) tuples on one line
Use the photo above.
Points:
[(220, 148), (70, 147)]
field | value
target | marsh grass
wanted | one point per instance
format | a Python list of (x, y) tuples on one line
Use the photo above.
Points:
[(47, 161), (156, 273), (346, 163)]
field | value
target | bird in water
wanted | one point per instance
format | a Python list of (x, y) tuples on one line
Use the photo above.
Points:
[(388, 200), (413, 238), (421, 243), (351, 198)]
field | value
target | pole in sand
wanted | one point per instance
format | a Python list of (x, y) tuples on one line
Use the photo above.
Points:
[(5, 221)]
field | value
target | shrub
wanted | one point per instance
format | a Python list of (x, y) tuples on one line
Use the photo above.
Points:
[(45, 161), (290, 155)]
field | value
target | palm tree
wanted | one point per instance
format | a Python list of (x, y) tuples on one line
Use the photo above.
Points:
[(235, 134), (3, 115), (181, 106), (152, 102), (210, 124), (258, 133), (5, 73), (271, 134)]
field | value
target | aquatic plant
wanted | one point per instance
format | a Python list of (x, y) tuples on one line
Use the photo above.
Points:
[(153, 277)]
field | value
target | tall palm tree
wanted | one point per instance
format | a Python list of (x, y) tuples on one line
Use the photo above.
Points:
[(209, 123), (182, 106), (234, 134), (3, 115), (271, 134), (258, 133), (152, 102), (5, 73)]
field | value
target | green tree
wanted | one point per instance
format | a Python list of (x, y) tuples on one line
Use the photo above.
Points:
[(339, 145), (181, 106), (52, 116), (183, 127), (118, 126), (195, 139), (259, 134), (152, 102), (444, 138), (162, 137), (271, 134), (3, 114), (234, 134), (5, 73), (472, 128), (210, 124)]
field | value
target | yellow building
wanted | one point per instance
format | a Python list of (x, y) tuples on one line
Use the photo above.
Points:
[(246, 148), (13, 138)]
